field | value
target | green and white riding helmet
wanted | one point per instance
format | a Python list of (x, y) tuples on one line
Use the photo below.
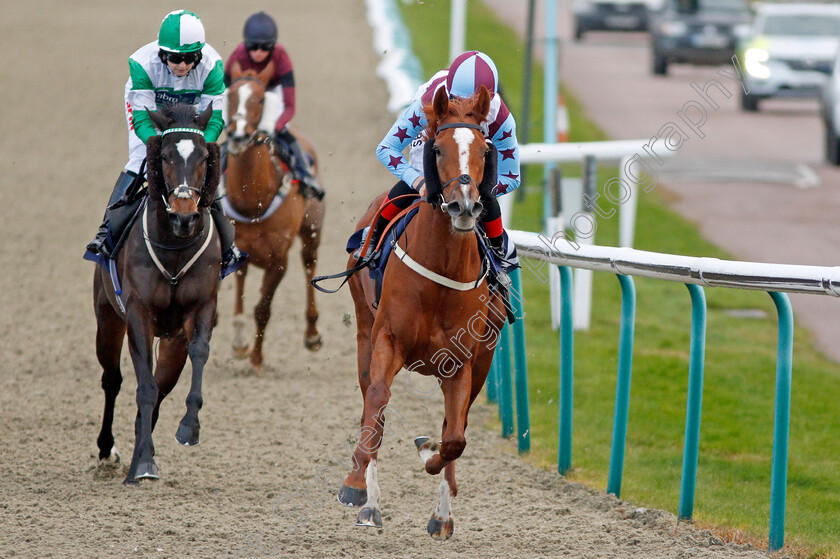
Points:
[(181, 31)]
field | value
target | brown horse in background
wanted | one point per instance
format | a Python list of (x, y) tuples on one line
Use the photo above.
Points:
[(168, 270), (255, 176), (448, 332)]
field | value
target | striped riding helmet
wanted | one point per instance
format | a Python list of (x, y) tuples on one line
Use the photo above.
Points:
[(469, 72), (181, 31)]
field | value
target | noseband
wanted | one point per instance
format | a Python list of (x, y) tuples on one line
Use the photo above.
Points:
[(182, 190)]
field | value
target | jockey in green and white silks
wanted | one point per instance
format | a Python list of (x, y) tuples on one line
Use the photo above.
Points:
[(179, 67), (151, 83)]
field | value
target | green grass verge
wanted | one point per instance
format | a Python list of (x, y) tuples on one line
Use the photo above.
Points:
[(733, 483)]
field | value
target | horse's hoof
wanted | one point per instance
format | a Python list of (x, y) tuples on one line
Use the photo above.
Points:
[(257, 370), (420, 441), (440, 530), (369, 517), (313, 343), (187, 436), (351, 496), (112, 458), (147, 470), (241, 352)]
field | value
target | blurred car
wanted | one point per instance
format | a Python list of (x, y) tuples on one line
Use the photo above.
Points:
[(830, 111), (789, 52), (697, 32), (610, 15)]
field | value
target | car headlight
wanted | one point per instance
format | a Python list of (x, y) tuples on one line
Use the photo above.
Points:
[(673, 28), (754, 60), (741, 30)]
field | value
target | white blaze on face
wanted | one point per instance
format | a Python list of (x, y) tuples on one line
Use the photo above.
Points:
[(185, 149), (464, 137), (241, 111)]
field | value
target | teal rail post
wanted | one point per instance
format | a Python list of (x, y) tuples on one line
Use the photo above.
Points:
[(622, 386), (781, 421), (564, 446), (505, 393), (520, 360), (492, 383), (695, 400)]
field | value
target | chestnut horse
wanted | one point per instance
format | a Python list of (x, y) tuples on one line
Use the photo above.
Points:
[(168, 270), (436, 315), (256, 180)]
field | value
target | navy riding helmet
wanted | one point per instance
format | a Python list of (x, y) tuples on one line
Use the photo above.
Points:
[(260, 29)]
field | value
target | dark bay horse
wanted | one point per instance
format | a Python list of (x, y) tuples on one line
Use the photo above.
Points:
[(267, 222), (436, 315), (168, 270)]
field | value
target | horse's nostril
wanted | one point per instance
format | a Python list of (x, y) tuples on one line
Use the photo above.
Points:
[(477, 208), (454, 209), (194, 218)]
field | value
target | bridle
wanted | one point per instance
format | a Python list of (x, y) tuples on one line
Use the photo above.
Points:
[(182, 190), (258, 137), (465, 178)]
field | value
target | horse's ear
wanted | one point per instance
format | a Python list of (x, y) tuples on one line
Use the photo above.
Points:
[(482, 103), (235, 71), (440, 105), (158, 119), (202, 119), (267, 73), (211, 175), (154, 169)]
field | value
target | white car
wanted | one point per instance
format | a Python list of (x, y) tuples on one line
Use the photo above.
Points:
[(789, 52), (830, 110)]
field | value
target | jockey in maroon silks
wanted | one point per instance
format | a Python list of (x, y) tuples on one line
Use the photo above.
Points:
[(464, 77), (259, 49)]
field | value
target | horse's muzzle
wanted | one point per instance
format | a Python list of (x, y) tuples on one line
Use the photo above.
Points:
[(184, 225)]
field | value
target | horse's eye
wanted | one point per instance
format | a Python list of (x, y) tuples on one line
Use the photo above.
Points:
[(262, 101), (436, 150)]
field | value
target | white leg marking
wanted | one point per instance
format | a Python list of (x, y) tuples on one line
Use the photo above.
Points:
[(373, 491), (425, 454), (444, 509)]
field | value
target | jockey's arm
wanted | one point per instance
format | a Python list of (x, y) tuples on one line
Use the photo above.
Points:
[(211, 93), (390, 150), (508, 147), (285, 78)]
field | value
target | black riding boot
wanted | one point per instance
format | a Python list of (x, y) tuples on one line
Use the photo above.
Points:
[(497, 246), (232, 257), (371, 259), (300, 166), (99, 243)]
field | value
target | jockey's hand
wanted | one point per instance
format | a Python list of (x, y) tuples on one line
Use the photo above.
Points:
[(420, 185)]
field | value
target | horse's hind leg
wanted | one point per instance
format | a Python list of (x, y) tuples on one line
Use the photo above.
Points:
[(240, 343), (310, 236), (262, 312), (110, 332)]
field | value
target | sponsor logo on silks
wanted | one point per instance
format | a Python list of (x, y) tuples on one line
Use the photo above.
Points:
[(168, 97)]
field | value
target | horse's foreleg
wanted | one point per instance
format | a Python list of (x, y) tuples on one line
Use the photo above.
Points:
[(442, 523), (456, 397), (310, 236), (364, 326), (172, 354), (140, 346), (110, 331), (240, 343), (199, 351), (262, 312), (361, 486)]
